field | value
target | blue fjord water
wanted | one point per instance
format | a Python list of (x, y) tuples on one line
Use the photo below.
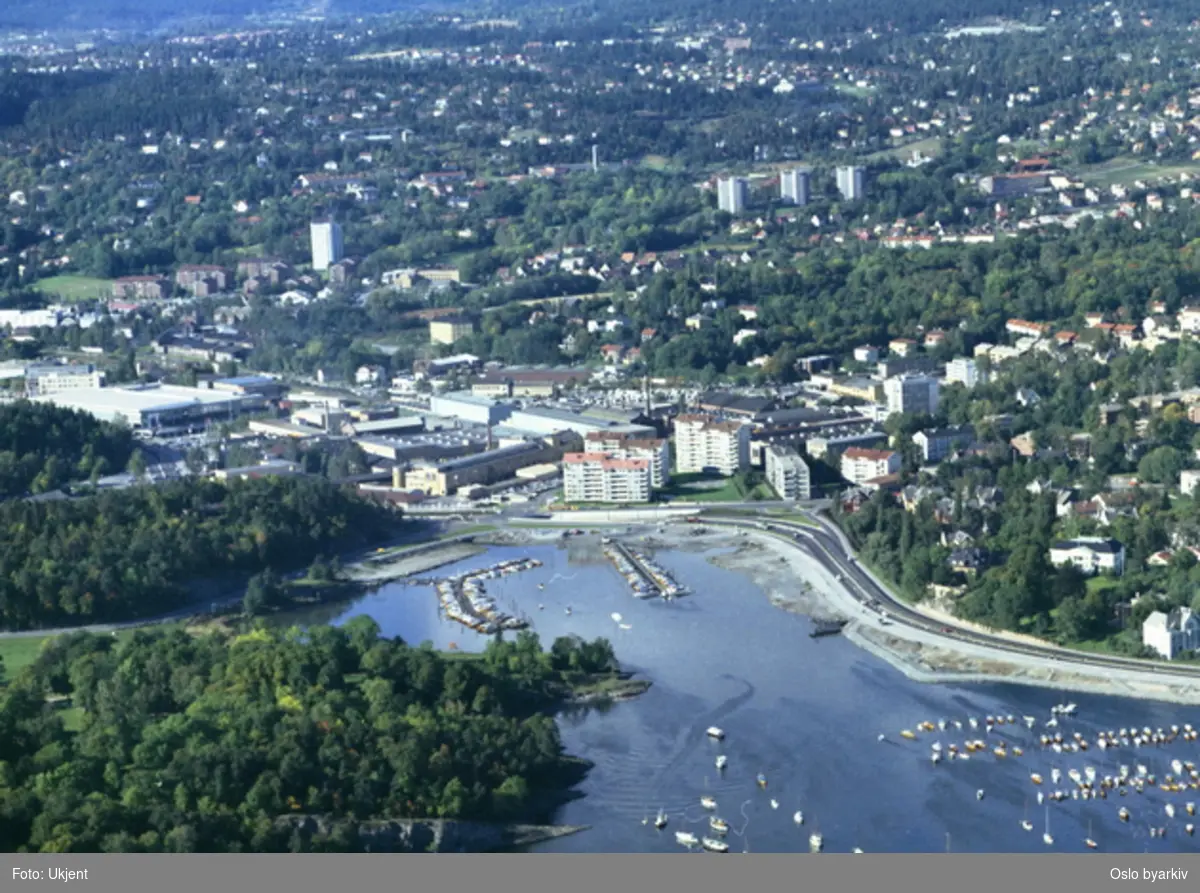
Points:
[(804, 712)]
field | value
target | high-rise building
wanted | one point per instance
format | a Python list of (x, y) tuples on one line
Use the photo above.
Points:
[(787, 472), (852, 183), (326, 244), (733, 193), (602, 477), (621, 445), (794, 186), (703, 444), (912, 394)]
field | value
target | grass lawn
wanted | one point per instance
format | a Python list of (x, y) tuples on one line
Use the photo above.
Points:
[(691, 488), (1125, 171), (18, 653), (930, 147), (74, 288)]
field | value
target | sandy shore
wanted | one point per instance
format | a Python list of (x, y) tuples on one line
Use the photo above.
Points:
[(796, 582)]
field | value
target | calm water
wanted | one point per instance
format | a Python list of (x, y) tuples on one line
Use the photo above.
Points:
[(804, 712)]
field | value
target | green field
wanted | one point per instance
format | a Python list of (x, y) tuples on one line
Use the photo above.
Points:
[(1125, 171), (18, 653), (930, 147), (75, 288), (691, 488)]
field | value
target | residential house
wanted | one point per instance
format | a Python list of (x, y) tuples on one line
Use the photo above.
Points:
[(1173, 633), (1091, 554)]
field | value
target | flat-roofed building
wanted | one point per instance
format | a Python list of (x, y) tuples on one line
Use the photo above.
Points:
[(156, 408), (447, 331), (605, 477), (655, 450), (487, 467), (53, 379), (704, 445), (787, 472), (860, 465)]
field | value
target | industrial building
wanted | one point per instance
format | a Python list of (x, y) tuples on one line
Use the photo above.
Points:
[(704, 445), (41, 380), (550, 420), (468, 407), (481, 468), (787, 472), (605, 477), (154, 408)]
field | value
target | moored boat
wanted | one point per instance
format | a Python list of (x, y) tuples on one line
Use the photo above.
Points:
[(798, 817), (660, 820), (715, 732), (714, 846), (708, 802), (816, 842), (722, 761), (686, 838), (761, 780), (718, 824)]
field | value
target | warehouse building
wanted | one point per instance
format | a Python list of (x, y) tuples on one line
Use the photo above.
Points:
[(482, 468), (154, 408)]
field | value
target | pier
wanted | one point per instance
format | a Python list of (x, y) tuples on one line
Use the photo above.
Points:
[(465, 600), (644, 577)]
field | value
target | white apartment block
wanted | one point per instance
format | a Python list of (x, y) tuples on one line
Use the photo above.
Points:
[(964, 371), (602, 477), (326, 236), (703, 444), (860, 465), (1189, 478), (787, 472), (912, 394), (43, 380), (733, 194), (657, 451)]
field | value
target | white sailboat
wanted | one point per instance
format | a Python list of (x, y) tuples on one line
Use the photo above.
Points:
[(722, 761), (1046, 838), (1088, 841), (708, 802), (686, 838), (798, 817), (774, 804), (816, 842), (714, 846), (660, 820)]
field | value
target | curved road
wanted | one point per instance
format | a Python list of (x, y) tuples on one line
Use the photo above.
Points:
[(828, 545)]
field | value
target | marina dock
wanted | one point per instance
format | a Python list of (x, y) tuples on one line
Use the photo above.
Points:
[(465, 600), (644, 577)]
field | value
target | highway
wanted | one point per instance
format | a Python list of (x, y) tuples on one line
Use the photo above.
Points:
[(829, 546)]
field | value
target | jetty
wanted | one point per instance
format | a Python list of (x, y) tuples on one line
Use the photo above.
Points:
[(829, 627), (464, 598), (643, 575)]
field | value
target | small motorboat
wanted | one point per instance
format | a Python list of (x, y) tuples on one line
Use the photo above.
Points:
[(1123, 814), (686, 838), (798, 817), (816, 842), (1190, 829), (1026, 825), (979, 794), (708, 802), (715, 732), (882, 737), (568, 612), (1089, 843), (722, 761), (714, 846), (1170, 810), (626, 626), (541, 585), (774, 804), (719, 825), (1035, 778), (907, 734), (660, 820), (761, 780), (857, 850)]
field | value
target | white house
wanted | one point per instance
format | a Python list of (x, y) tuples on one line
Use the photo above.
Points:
[(1188, 479), (367, 375), (1172, 634), (1091, 554)]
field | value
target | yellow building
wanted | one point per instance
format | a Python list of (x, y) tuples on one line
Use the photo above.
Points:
[(447, 331)]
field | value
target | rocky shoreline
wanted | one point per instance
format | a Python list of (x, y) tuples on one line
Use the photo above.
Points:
[(433, 835)]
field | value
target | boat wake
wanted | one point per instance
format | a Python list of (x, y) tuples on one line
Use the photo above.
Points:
[(561, 577), (695, 732)]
